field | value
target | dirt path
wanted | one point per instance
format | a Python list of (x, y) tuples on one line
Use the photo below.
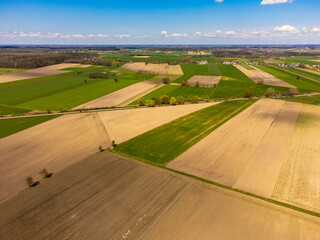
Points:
[(125, 124), (54, 145), (121, 96), (112, 197), (38, 72)]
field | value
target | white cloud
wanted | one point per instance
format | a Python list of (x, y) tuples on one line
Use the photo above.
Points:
[(230, 33), (164, 32), (315, 29), (78, 36), (286, 28), (178, 35), (218, 1), (271, 2), (123, 36), (304, 29)]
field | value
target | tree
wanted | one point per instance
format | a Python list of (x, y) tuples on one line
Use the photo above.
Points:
[(116, 79), (184, 83), (151, 103), (157, 100), (165, 99), (293, 91), (214, 85), (195, 99), (44, 173), (166, 80), (141, 101), (180, 100), (260, 82), (29, 181), (100, 148), (173, 101), (270, 92), (197, 84), (248, 93), (113, 144)]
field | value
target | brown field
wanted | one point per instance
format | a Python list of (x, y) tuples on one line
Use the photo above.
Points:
[(299, 178), (258, 75), (246, 152), (123, 125), (162, 68), (54, 145), (123, 96), (39, 72), (205, 81), (112, 197)]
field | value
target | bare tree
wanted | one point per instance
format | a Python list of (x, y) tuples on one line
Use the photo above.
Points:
[(29, 181)]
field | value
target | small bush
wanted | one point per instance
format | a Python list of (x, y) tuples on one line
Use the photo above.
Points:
[(165, 99), (260, 82), (166, 80), (293, 92), (101, 149), (197, 84), (141, 101), (97, 75), (29, 181), (173, 101), (195, 99), (151, 103), (270, 92), (248, 93), (180, 100), (183, 83), (113, 144)]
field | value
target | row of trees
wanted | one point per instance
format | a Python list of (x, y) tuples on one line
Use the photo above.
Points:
[(270, 92), (44, 173), (156, 101)]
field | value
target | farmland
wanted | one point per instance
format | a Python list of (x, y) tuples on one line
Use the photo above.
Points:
[(166, 142), (301, 59), (13, 125), (190, 70), (9, 70), (62, 91), (312, 99), (111, 197)]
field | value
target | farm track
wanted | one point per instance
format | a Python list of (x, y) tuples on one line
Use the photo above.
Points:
[(111, 197)]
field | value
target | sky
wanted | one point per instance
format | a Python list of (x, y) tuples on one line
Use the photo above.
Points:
[(160, 22)]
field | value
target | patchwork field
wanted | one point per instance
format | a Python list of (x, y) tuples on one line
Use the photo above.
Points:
[(54, 145), (258, 75), (61, 92), (263, 151), (122, 96), (10, 70), (112, 197), (205, 81), (154, 68), (38, 72), (299, 178), (126, 124)]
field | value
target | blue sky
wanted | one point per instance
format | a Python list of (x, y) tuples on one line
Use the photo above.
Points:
[(160, 22)]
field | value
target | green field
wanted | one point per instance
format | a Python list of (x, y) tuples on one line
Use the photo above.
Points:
[(14, 125), (10, 70), (301, 59), (168, 141), (248, 67), (191, 69), (6, 110), (312, 99), (303, 84), (306, 74), (62, 91)]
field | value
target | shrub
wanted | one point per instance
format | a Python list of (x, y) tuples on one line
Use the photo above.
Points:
[(180, 100), (197, 84), (113, 144), (165, 80), (260, 82), (215, 85), (44, 172), (29, 181), (270, 92), (293, 92), (100, 148), (165, 99), (141, 101), (157, 100), (195, 99), (183, 83), (97, 75), (151, 103), (173, 101), (248, 93)]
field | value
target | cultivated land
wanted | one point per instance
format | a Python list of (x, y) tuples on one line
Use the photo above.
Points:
[(38, 72), (125, 124), (163, 68), (54, 145), (10, 70), (112, 197), (64, 91), (205, 81), (122, 96), (163, 144), (299, 178), (258, 75), (14, 125)]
